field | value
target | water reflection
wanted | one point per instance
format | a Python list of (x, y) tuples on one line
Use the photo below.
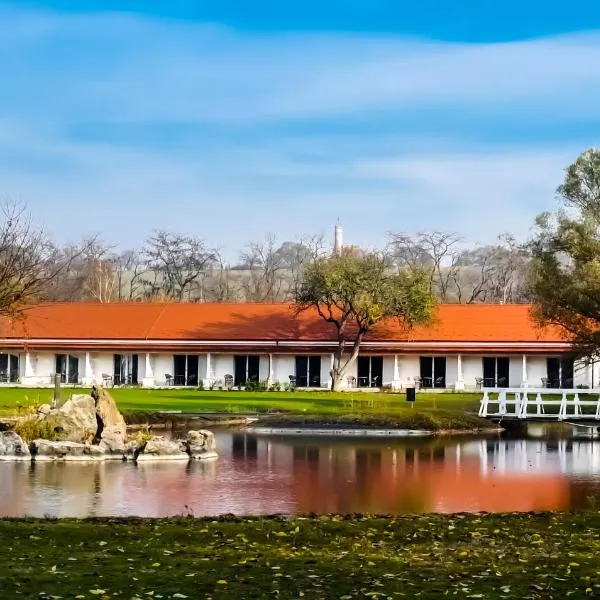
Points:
[(262, 475)]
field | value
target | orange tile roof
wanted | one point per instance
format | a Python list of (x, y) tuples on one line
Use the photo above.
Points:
[(267, 322)]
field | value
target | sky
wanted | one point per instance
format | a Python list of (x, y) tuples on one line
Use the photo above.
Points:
[(230, 120)]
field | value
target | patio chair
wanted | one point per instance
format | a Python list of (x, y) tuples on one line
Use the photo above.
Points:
[(168, 379), (107, 380), (544, 382), (292, 381), (351, 381), (418, 383), (228, 382)]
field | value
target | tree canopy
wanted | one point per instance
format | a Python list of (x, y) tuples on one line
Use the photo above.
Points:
[(354, 292), (565, 272)]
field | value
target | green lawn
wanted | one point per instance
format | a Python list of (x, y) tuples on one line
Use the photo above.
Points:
[(144, 400), (534, 556)]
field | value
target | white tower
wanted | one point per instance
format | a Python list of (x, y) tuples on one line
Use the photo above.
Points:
[(338, 243)]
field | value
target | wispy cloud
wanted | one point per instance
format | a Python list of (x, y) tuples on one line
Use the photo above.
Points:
[(150, 123)]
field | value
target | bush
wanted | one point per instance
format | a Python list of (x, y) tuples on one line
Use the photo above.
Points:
[(32, 429), (275, 387), (200, 387), (254, 385)]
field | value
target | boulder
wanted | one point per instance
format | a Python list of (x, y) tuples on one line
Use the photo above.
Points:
[(43, 450), (75, 420), (159, 448), (201, 444), (112, 430), (44, 409), (12, 447)]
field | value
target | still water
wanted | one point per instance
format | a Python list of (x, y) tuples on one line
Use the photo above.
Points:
[(264, 475)]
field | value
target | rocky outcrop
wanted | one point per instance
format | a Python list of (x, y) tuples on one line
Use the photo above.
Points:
[(12, 447), (112, 430), (201, 444), (75, 420), (45, 450), (159, 448)]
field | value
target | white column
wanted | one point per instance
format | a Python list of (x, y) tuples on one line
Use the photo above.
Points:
[(29, 377), (460, 382), (270, 376), (330, 370), (396, 383), (88, 378), (209, 370), (524, 375), (149, 380)]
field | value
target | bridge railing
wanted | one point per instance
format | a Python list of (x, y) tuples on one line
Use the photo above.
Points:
[(532, 402)]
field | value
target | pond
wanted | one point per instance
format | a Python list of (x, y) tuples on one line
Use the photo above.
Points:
[(265, 475)]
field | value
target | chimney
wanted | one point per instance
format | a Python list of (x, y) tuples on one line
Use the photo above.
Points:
[(338, 243)]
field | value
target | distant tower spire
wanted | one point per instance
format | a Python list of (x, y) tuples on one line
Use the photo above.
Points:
[(338, 243)]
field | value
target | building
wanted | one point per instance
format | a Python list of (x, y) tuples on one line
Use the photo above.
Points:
[(182, 344)]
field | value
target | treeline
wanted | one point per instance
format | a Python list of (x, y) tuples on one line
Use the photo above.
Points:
[(173, 267)]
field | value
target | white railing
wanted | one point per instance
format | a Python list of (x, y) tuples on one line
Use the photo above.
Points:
[(523, 403)]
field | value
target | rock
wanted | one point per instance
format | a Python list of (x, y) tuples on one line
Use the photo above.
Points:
[(201, 444), (161, 449), (42, 450), (112, 430), (12, 447), (75, 420), (44, 409)]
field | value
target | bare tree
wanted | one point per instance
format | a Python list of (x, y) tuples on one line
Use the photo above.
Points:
[(29, 262), (175, 264), (264, 265), (434, 252)]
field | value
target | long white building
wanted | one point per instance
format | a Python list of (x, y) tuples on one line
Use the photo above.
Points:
[(156, 345)]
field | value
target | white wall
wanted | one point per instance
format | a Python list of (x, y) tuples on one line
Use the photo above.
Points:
[(515, 371), (536, 370), (222, 364), (582, 374), (284, 365), (325, 368), (472, 367), (409, 368), (451, 370)]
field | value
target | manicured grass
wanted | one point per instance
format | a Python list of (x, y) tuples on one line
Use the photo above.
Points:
[(541, 556), (192, 401)]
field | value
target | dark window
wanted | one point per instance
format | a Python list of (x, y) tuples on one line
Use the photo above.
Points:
[(302, 371), (560, 372), (9, 368), (433, 371), (125, 370), (185, 369), (67, 366), (370, 371), (496, 371), (245, 367)]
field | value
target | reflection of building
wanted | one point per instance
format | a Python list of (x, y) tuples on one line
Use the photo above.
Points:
[(264, 475), (182, 344)]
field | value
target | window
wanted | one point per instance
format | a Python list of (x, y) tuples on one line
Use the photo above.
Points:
[(560, 372), (246, 368), (125, 369), (433, 371), (185, 369), (308, 371), (9, 368), (67, 366), (370, 371), (496, 371)]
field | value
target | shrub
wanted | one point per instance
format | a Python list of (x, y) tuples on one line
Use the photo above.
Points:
[(200, 387), (32, 429), (275, 387)]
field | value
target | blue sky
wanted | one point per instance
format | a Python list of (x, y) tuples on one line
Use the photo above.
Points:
[(233, 119)]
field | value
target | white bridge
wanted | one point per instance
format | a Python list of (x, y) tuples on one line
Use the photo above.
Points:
[(541, 404)]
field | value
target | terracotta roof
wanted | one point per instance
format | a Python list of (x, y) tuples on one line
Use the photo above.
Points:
[(255, 322)]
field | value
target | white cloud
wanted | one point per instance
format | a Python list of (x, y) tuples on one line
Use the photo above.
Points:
[(230, 100)]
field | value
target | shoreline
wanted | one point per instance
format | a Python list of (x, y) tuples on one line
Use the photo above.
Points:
[(367, 432)]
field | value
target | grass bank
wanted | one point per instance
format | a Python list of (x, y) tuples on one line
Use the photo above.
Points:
[(541, 556), (194, 401), (432, 411)]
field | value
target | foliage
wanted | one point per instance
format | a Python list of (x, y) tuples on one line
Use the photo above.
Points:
[(565, 274), (32, 429), (200, 386), (514, 556), (354, 292), (255, 385)]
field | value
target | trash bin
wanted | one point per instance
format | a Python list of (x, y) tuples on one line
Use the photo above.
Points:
[(411, 395)]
